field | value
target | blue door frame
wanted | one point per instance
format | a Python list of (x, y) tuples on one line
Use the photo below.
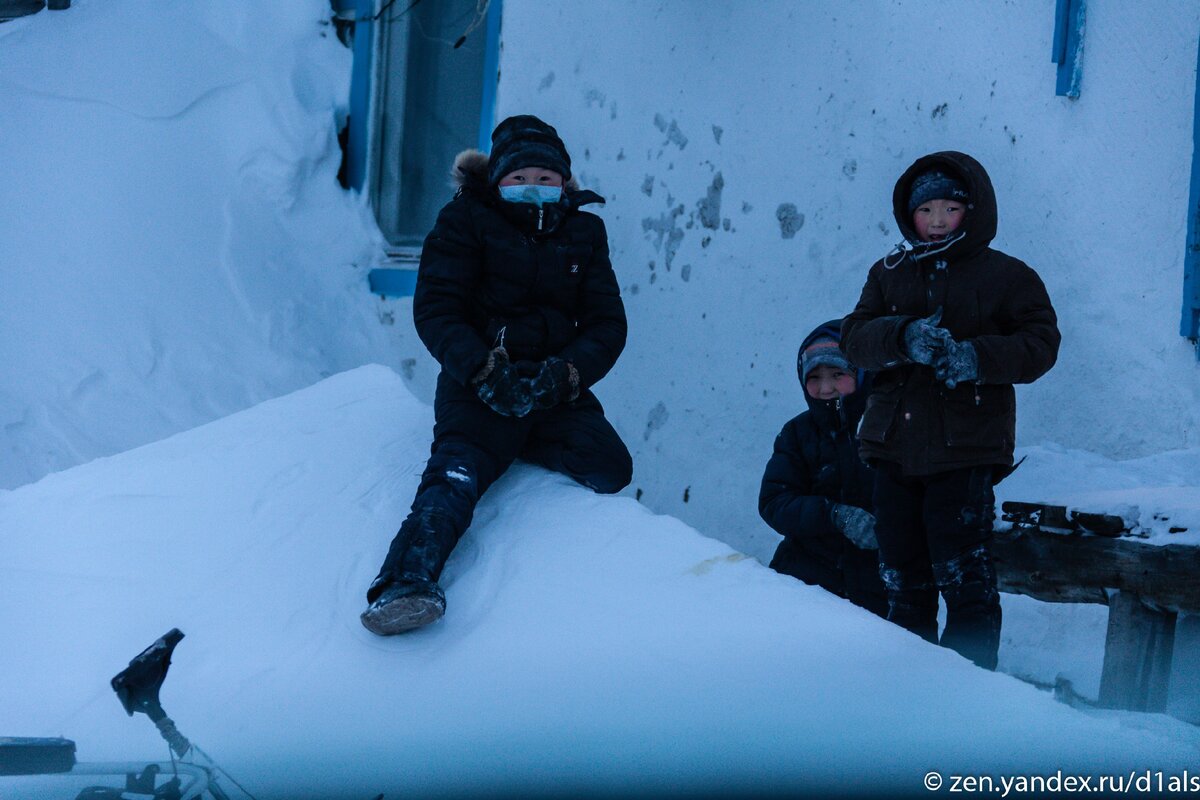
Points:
[(1189, 324), (491, 76)]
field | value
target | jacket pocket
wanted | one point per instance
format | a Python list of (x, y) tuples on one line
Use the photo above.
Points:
[(879, 419), (980, 417)]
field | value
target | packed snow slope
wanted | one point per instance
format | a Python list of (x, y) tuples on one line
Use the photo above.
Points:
[(589, 644), (174, 242)]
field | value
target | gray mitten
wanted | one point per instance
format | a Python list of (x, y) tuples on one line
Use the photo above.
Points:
[(956, 364), (500, 385), (923, 338), (857, 525)]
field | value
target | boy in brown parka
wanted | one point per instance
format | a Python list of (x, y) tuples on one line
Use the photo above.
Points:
[(948, 325)]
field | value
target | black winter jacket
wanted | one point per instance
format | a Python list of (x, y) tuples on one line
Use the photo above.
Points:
[(538, 281), (815, 464), (990, 299)]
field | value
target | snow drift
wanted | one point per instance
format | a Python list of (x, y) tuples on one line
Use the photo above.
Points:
[(174, 243), (589, 645)]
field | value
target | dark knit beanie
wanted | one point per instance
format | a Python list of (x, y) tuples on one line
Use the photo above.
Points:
[(934, 185), (525, 141), (822, 350)]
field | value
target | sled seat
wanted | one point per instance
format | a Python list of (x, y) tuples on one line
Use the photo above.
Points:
[(35, 756)]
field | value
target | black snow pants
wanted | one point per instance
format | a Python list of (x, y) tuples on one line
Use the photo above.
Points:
[(472, 447), (933, 533)]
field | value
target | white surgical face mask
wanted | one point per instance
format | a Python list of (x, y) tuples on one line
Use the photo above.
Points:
[(531, 193)]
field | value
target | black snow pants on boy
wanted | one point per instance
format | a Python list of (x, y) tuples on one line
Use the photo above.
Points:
[(933, 533), (473, 446)]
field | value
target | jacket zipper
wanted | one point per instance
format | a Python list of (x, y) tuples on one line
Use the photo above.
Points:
[(541, 212)]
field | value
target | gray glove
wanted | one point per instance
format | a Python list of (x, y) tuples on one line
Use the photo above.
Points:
[(957, 363), (501, 386), (856, 524), (923, 338)]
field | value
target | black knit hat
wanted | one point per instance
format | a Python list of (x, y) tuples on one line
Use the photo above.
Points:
[(935, 185), (525, 141)]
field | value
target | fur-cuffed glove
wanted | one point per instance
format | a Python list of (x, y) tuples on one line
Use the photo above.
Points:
[(556, 382), (957, 363), (500, 386), (923, 338), (856, 524)]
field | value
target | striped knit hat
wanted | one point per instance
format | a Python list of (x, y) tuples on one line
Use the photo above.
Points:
[(822, 350)]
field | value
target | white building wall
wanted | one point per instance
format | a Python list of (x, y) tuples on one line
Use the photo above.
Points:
[(705, 123)]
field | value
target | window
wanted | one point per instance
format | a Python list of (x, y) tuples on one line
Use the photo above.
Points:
[(423, 89)]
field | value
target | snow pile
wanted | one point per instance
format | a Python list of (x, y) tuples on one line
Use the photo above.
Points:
[(174, 243), (589, 644)]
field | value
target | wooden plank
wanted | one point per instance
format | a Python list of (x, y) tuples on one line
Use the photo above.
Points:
[(1073, 568), (1137, 655), (1183, 698)]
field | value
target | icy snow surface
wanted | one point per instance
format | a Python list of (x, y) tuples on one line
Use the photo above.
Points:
[(588, 643)]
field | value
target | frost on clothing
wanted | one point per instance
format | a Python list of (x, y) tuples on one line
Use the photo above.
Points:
[(456, 475)]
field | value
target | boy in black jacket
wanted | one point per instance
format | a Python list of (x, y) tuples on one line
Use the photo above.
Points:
[(948, 325), (816, 491), (517, 300)]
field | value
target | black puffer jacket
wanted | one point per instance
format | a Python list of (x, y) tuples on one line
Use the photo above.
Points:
[(538, 281), (815, 464), (990, 299)]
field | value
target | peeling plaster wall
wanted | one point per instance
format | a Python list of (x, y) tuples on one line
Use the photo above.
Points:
[(748, 152)]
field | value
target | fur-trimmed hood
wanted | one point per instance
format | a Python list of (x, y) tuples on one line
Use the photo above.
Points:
[(470, 172)]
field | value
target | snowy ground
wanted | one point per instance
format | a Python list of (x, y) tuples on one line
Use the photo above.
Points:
[(589, 644), (179, 250)]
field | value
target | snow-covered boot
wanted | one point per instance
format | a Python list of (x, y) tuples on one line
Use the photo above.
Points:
[(406, 594), (912, 602), (405, 603), (973, 614)]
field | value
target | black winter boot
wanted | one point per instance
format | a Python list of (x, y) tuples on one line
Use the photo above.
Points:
[(973, 616), (404, 603), (406, 594)]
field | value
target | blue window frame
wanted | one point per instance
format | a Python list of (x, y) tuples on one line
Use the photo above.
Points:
[(422, 88), (1068, 46), (1189, 324)]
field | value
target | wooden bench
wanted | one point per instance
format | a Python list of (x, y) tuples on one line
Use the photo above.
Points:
[(1052, 558)]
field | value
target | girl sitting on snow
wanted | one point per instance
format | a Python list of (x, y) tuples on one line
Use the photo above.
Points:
[(517, 300)]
